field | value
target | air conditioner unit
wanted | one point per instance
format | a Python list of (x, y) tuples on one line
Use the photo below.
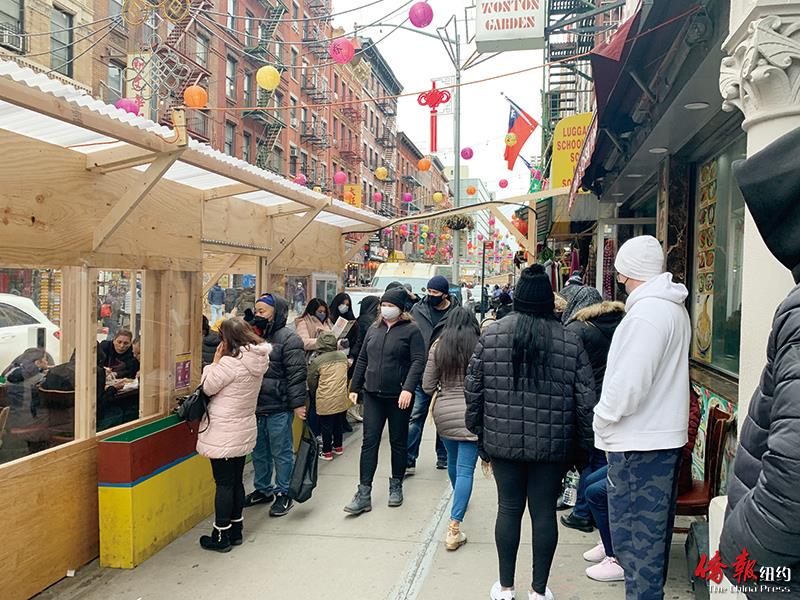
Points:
[(294, 123), (294, 152), (10, 38)]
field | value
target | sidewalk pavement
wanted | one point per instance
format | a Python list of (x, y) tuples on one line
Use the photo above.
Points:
[(317, 551)]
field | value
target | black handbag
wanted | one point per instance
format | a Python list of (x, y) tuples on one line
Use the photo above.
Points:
[(194, 407), (304, 473)]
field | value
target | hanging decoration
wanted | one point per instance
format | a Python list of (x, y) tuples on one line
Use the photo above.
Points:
[(317, 189), (195, 97), (467, 153), (342, 51), (511, 139), (471, 191), (521, 125), (459, 222), (492, 221), (377, 197), (432, 99), (128, 105), (503, 183), (268, 78), (348, 197), (408, 198), (300, 179), (340, 178), (387, 230), (424, 164), (381, 173), (438, 196), (420, 15)]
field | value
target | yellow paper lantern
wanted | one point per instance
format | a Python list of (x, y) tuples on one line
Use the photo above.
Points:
[(511, 139), (438, 196), (268, 78), (317, 189), (381, 173)]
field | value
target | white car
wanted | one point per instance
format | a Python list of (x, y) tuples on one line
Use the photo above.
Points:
[(23, 326)]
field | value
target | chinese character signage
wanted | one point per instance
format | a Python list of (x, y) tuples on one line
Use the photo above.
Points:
[(355, 190), (745, 575), (139, 80), (705, 254), (509, 25)]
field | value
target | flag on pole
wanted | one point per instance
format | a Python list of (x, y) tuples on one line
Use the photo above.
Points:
[(522, 125)]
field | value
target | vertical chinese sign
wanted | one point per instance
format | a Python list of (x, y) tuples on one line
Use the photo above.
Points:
[(139, 81), (705, 251)]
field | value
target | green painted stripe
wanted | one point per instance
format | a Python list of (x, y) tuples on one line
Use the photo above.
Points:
[(145, 430)]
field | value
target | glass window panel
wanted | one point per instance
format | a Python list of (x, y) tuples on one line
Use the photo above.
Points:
[(61, 36)]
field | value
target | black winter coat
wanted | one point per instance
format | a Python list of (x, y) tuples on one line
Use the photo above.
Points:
[(422, 315), (391, 360), (551, 422), (284, 385), (367, 316), (595, 325), (763, 492), (210, 343), (503, 311)]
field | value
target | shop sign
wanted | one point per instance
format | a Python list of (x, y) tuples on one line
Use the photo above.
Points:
[(570, 134), (584, 160), (354, 189), (503, 25), (139, 85), (183, 371), (705, 259)]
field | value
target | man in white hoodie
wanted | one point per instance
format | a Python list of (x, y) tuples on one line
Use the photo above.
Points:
[(641, 419)]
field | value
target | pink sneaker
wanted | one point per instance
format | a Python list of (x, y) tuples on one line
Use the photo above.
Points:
[(326, 455), (596, 554), (608, 570), (338, 451)]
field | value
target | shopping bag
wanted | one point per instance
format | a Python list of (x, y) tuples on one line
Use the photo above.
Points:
[(304, 474)]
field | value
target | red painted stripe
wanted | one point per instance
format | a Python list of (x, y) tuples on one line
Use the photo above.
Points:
[(125, 462)]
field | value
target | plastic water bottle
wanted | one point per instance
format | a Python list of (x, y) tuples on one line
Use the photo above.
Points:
[(571, 488)]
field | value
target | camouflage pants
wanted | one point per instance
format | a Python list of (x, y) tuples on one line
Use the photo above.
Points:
[(642, 491)]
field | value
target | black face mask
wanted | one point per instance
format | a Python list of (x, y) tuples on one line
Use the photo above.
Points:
[(622, 293), (263, 325), (435, 300)]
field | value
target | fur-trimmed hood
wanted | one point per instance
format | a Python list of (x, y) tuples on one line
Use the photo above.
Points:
[(598, 310)]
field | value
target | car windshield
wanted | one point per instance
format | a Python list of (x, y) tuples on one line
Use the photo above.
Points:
[(417, 283)]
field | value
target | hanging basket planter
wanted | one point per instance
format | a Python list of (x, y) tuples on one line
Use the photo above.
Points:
[(459, 222)]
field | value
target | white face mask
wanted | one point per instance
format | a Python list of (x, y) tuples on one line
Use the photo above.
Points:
[(343, 308), (390, 313)]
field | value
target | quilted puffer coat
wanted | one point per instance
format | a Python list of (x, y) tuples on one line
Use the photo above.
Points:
[(548, 422), (451, 406), (229, 430)]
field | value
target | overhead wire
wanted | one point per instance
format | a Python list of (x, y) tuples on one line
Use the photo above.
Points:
[(88, 49), (304, 19)]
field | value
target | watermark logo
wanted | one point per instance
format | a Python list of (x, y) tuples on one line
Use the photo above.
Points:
[(747, 576)]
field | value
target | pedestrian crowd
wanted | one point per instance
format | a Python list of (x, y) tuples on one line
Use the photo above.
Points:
[(601, 387)]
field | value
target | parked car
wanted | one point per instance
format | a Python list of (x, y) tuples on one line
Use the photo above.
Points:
[(23, 326)]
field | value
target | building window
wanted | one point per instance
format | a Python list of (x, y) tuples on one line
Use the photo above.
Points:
[(279, 51), (293, 160), (718, 243), (232, 17), (246, 141), (293, 64), (247, 82), (116, 79), (313, 171), (278, 103), (114, 8), (230, 137), (293, 111), (202, 50), (61, 41), (323, 173), (262, 32), (230, 79), (276, 160), (248, 30), (336, 84), (295, 14)]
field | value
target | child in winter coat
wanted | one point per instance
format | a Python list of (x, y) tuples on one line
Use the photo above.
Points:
[(327, 382)]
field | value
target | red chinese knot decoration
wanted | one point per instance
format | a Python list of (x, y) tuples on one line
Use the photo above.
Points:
[(432, 99)]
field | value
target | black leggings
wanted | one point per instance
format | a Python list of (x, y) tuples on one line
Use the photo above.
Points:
[(538, 485), (331, 431), (378, 410), (229, 498)]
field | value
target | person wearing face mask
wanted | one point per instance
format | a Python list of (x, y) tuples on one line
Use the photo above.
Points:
[(342, 306), (430, 315), (282, 396), (313, 320), (641, 420), (388, 370)]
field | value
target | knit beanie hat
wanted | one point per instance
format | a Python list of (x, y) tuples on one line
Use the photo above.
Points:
[(439, 283), (640, 258), (394, 284), (266, 299), (534, 292), (396, 296)]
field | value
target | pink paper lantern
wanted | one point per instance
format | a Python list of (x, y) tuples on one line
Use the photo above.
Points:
[(421, 14), (504, 183), (341, 50), (492, 221), (300, 179), (480, 237), (387, 230), (467, 153), (408, 197), (340, 178), (128, 105), (377, 197)]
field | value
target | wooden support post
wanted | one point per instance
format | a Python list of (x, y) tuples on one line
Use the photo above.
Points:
[(302, 225), (230, 260), (118, 158), (132, 197), (83, 286), (196, 334), (532, 226), (512, 229), (262, 277)]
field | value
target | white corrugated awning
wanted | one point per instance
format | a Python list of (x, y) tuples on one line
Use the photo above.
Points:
[(48, 110)]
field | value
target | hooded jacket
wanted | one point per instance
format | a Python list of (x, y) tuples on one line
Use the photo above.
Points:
[(422, 313), (216, 295), (283, 387), (367, 316), (450, 407), (229, 428), (327, 376), (595, 325), (546, 422), (210, 342), (245, 301), (763, 494), (645, 399)]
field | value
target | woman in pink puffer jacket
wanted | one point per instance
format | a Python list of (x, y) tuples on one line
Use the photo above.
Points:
[(228, 431)]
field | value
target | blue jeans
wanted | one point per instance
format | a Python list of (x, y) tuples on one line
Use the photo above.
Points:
[(419, 412), (461, 460), (597, 461), (217, 312), (597, 500), (273, 445)]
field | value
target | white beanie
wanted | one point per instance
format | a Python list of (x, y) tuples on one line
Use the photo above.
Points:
[(640, 258)]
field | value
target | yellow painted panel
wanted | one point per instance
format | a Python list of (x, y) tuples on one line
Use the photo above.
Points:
[(116, 512)]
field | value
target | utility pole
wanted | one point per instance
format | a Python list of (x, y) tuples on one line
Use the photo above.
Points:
[(455, 48)]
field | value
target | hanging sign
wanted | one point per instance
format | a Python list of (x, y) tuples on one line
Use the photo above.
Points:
[(568, 138), (503, 25), (355, 190), (139, 81)]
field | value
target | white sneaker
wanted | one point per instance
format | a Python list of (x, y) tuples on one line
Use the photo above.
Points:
[(596, 554), (608, 570), (497, 593), (548, 595)]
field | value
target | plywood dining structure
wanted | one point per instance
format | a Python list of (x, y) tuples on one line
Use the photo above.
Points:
[(84, 188)]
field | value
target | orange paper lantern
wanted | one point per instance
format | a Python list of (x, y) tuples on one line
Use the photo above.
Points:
[(348, 197), (424, 164), (471, 191), (195, 97)]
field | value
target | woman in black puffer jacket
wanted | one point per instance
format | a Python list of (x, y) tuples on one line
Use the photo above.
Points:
[(530, 394)]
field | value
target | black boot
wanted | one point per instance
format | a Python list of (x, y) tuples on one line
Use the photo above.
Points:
[(235, 532), (219, 540), (361, 502), (395, 492)]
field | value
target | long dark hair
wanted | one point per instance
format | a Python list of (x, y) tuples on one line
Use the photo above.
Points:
[(334, 308), (456, 344), (313, 305), (236, 333), (533, 341)]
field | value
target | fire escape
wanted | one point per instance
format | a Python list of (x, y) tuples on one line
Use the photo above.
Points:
[(350, 149), (176, 49), (386, 138)]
